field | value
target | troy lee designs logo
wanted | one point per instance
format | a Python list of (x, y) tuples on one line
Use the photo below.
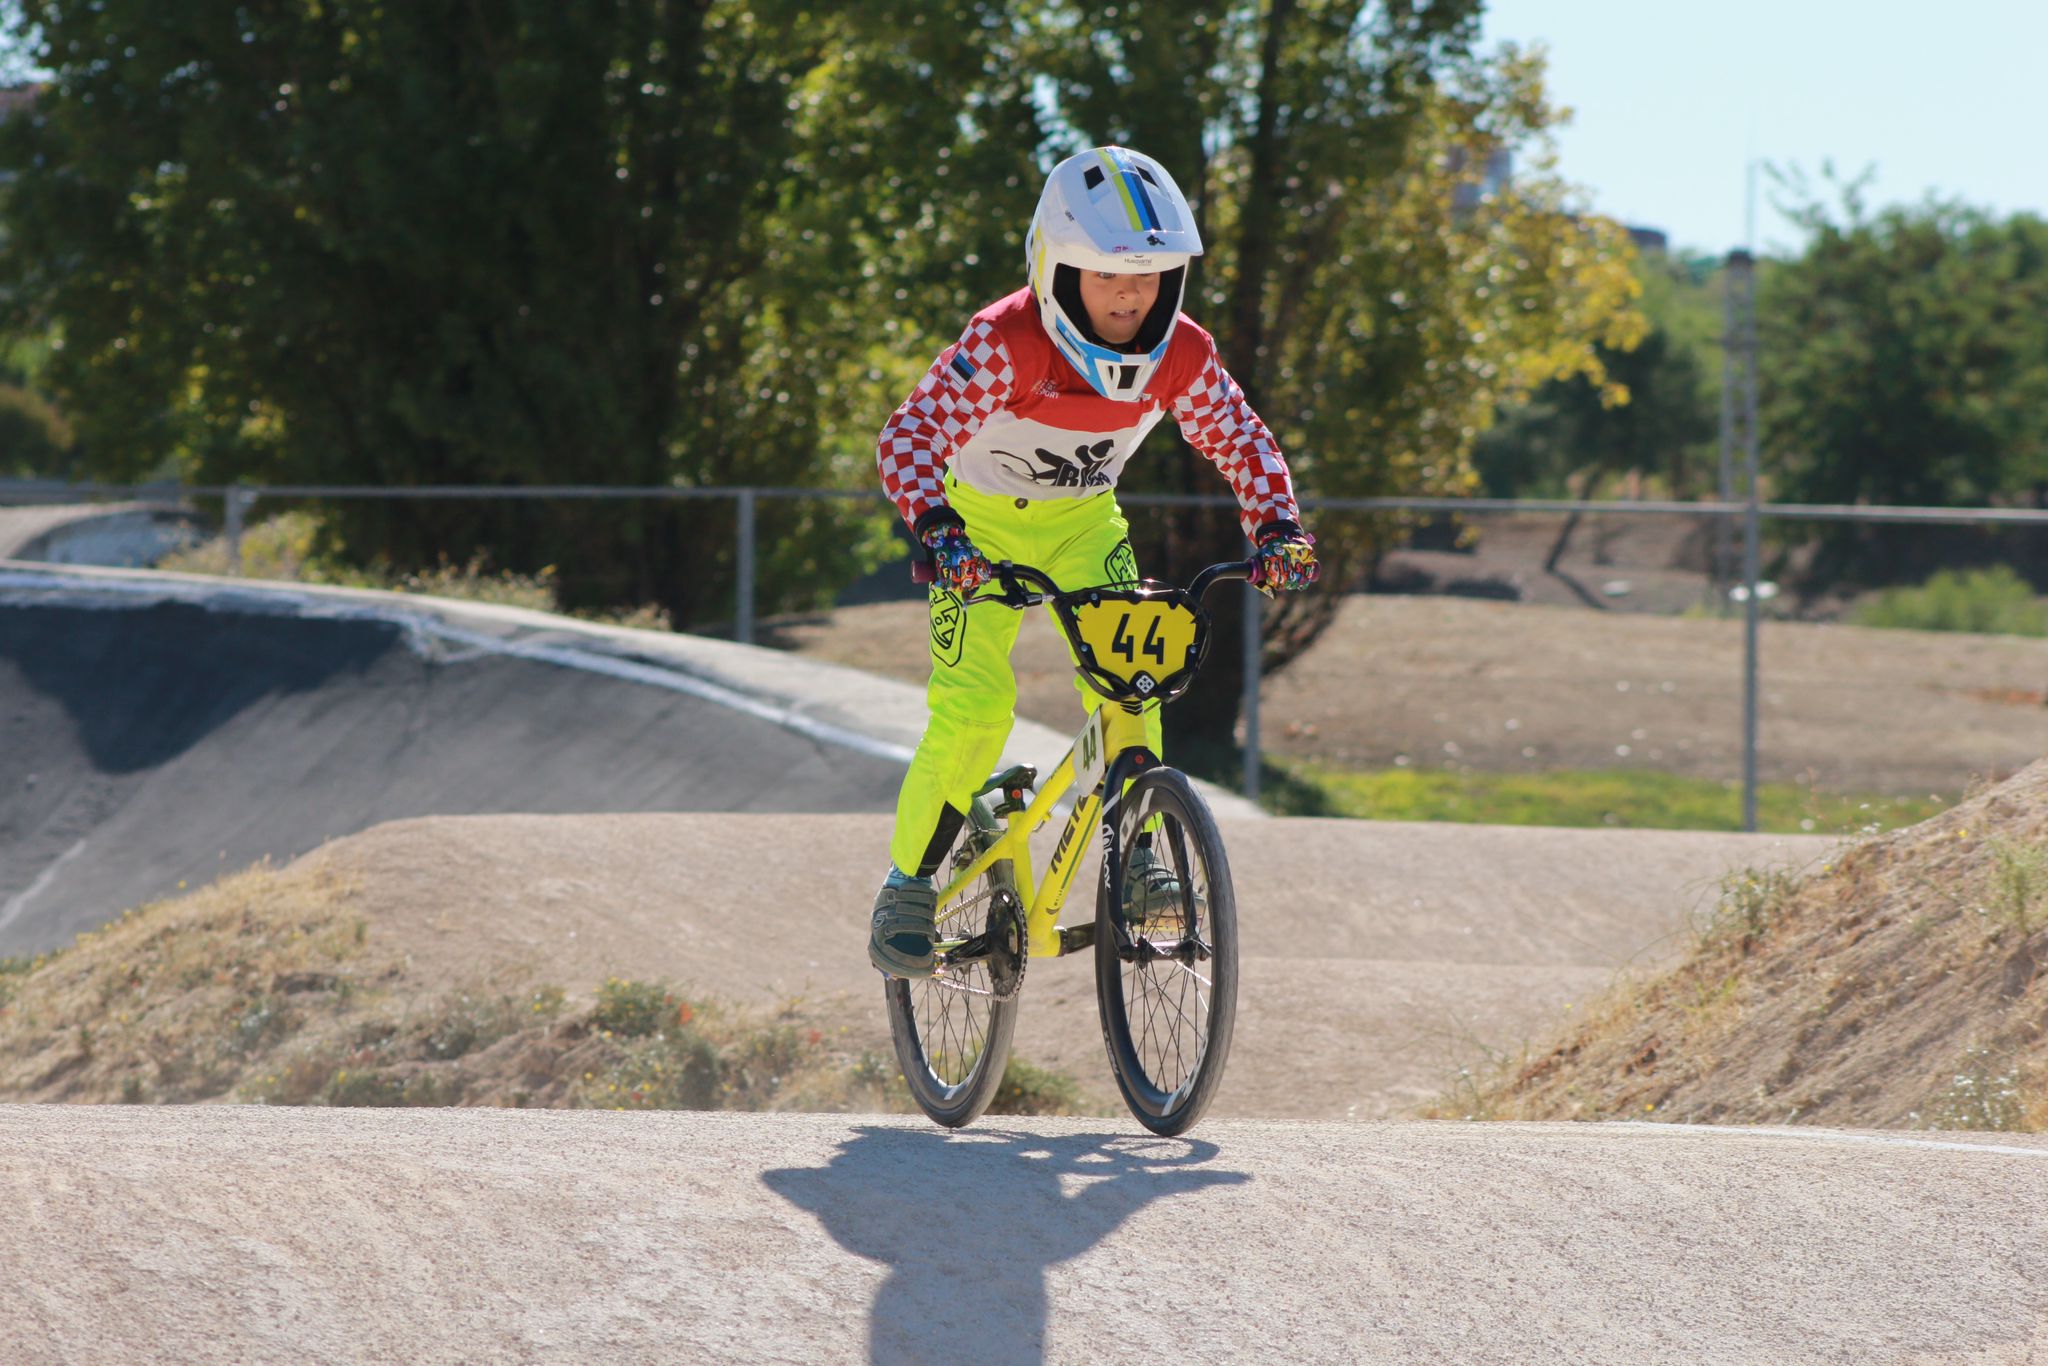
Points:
[(1083, 471)]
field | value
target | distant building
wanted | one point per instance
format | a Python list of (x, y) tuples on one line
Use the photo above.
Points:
[(1473, 190), (1649, 239)]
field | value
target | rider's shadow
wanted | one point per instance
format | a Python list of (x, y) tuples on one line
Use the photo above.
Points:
[(969, 1225)]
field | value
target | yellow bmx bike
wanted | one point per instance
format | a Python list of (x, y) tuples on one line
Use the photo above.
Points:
[(1164, 931)]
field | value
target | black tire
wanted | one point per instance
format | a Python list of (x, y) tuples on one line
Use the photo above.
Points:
[(953, 1029), (1167, 1020)]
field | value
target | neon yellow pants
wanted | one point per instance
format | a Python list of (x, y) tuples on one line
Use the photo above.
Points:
[(1080, 542)]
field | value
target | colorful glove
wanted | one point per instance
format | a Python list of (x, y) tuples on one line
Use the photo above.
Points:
[(956, 564), (1286, 558)]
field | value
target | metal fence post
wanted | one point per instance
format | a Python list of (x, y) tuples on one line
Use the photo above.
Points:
[(237, 504), (1724, 530), (1751, 608), (1742, 311), (743, 611), (1252, 660)]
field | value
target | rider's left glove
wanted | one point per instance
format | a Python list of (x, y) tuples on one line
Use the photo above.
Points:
[(1286, 558), (956, 564)]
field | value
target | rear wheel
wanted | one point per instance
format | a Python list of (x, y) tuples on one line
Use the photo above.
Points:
[(1167, 982), (952, 1030)]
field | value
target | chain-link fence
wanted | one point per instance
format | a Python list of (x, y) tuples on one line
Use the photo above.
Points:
[(1705, 641)]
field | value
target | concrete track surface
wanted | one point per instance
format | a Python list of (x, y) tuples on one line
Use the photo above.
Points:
[(240, 1234), (159, 730)]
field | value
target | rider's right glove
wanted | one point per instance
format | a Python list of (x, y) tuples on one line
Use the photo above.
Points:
[(1286, 558), (956, 564)]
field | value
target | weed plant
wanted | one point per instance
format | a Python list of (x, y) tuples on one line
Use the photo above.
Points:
[(1646, 799), (1984, 1094), (1028, 1089), (2017, 895), (287, 547), (12, 971), (1993, 601), (1748, 908), (666, 1052)]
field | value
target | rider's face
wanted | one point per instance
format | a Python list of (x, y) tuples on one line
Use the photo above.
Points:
[(1117, 304)]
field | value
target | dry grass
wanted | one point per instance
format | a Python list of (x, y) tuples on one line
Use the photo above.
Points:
[(1901, 986), (267, 987), (286, 547), (172, 1001)]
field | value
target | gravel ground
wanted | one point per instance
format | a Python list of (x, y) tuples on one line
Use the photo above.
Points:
[(1499, 686), (251, 1235)]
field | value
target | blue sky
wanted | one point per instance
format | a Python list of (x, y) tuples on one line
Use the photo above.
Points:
[(1673, 101)]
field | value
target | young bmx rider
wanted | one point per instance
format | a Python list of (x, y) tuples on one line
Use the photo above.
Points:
[(1009, 449)]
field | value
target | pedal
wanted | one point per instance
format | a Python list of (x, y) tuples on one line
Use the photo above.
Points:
[(1015, 783)]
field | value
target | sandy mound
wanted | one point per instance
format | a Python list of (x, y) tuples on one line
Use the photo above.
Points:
[(1901, 985)]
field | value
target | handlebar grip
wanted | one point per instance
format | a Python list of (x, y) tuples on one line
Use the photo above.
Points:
[(921, 571)]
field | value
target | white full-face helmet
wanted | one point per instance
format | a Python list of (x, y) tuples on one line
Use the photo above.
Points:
[(1110, 209)]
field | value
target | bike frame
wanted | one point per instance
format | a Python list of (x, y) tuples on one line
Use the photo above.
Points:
[(1103, 758), (1107, 747)]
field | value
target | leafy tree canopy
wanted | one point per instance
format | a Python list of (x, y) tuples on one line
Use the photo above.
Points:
[(653, 242), (1654, 416), (1905, 355)]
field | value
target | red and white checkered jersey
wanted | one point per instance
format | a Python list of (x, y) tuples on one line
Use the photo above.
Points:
[(1012, 417)]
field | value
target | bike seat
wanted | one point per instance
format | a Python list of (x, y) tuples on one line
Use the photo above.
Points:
[(1013, 782)]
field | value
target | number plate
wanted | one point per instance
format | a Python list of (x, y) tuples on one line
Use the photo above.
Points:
[(1141, 643)]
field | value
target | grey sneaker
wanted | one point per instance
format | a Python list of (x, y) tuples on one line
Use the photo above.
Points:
[(900, 942), (1151, 888)]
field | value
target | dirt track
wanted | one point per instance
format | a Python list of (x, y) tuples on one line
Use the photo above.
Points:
[(1377, 957), (476, 1235), (1451, 682)]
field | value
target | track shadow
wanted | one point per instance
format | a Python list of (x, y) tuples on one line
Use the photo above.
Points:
[(143, 685), (970, 1224)]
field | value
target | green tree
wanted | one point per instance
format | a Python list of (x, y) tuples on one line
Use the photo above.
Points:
[(511, 242), (1376, 308), (1656, 415), (1904, 360)]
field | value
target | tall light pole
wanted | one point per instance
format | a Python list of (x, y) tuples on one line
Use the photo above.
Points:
[(1739, 427), (1724, 530)]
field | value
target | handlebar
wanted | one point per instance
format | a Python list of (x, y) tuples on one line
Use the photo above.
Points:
[(1012, 577)]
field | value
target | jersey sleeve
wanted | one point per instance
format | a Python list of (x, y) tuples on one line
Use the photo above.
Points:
[(1217, 421), (971, 380)]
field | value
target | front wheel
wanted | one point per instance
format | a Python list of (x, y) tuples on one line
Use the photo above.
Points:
[(1166, 954), (952, 1030)]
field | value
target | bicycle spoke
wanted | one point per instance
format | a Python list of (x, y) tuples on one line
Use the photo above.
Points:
[(1169, 1012), (1156, 1034), (951, 1025)]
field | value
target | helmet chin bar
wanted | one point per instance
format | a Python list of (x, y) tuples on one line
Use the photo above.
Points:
[(1114, 373)]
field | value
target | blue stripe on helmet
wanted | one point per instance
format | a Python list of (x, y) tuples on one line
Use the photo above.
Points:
[(1144, 201), (1135, 183)]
